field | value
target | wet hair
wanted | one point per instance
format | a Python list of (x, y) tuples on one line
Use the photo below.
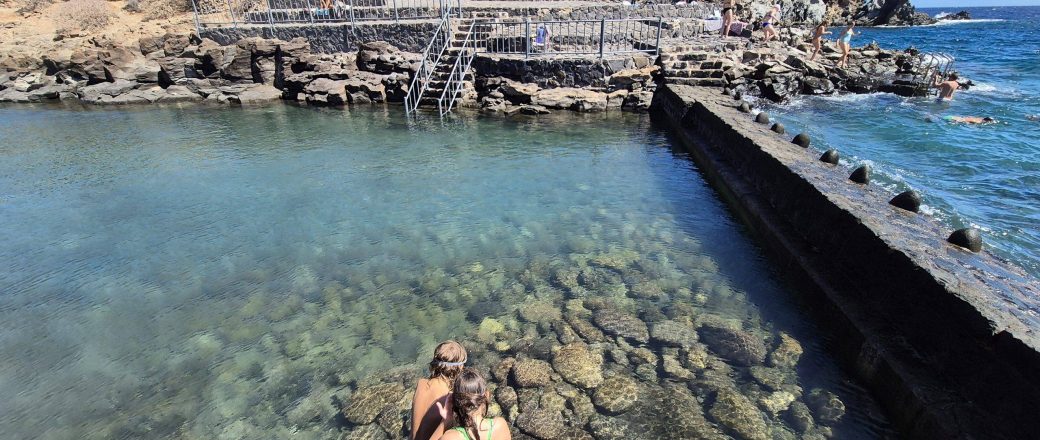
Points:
[(448, 361), (469, 395), (988, 119), (954, 76)]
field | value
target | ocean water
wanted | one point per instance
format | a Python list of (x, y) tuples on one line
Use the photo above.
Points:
[(982, 176), (204, 273)]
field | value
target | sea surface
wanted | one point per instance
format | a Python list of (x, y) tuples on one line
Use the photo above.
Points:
[(205, 273), (982, 176)]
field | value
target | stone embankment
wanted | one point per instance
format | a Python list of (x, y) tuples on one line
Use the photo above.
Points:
[(936, 331), (179, 68), (254, 70)]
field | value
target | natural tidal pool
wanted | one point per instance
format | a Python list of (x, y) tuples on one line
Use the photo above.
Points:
[(201, 273)]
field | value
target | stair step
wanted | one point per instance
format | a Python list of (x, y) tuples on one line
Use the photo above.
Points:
[(693, 57), (695, 73), (701, 82)]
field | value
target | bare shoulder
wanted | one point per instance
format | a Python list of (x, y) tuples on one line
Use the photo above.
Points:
[(422, 385), (501, 430)]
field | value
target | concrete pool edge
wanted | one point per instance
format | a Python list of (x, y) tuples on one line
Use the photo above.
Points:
[(939, 335)]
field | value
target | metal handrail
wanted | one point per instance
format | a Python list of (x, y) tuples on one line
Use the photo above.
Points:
[(423, 74), (232, 13), (576, 37), (928, 65), (426, 66), (460, 69)]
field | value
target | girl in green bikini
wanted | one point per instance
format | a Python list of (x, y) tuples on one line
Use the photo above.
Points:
[(470, 398)]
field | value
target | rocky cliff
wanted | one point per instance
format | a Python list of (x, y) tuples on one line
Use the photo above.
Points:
[(863, 12)]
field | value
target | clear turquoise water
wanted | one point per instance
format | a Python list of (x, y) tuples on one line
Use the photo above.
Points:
[(983, 176), (206, 273)]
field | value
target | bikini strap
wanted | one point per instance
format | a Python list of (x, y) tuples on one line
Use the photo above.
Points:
[(461, 430)]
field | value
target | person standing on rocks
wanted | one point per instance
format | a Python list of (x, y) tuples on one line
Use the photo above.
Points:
[(769, 23), (449, 360), (469, 405), (728, 11), (845, 44), (817, 39)]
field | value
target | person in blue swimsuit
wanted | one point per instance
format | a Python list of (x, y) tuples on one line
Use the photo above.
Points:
[(470, 399), (845, 43)]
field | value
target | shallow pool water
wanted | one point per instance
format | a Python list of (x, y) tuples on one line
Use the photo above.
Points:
[(200, 273)]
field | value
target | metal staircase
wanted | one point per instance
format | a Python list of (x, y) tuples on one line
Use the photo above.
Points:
[(444, 78), (431, 59)]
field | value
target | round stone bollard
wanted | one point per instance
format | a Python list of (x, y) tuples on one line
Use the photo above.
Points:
[(830, 156), (801, 140), (762, 118), (745, 107), (968, 238), (778, 128), (908, 200), (861, 175)]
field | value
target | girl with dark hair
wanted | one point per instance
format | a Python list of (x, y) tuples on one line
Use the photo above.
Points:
[(449, 359), (817, 38), (469, 405)]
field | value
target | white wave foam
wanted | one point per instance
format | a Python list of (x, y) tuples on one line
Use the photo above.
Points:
[(850, 97), (953, 22), (983, 87), (946, 23)]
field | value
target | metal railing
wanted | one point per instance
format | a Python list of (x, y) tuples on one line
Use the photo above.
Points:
[(929, 65), (431, 56), (575, 37), (225, 13), (456, 81)]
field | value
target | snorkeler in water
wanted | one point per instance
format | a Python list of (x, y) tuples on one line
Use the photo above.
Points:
[(969, 119)]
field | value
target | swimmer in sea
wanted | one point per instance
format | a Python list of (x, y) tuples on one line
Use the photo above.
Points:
[(1034, 118), (970, 119), (948, 87)]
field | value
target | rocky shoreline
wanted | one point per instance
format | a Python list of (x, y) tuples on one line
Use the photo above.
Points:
[(183, 68), (595, 369)]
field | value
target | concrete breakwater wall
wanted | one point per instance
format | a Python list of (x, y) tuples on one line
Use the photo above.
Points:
[(931, 328), (334, 38)]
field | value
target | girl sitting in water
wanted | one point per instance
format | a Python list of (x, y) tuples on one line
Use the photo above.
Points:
[(449, 359), (469, 407)]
